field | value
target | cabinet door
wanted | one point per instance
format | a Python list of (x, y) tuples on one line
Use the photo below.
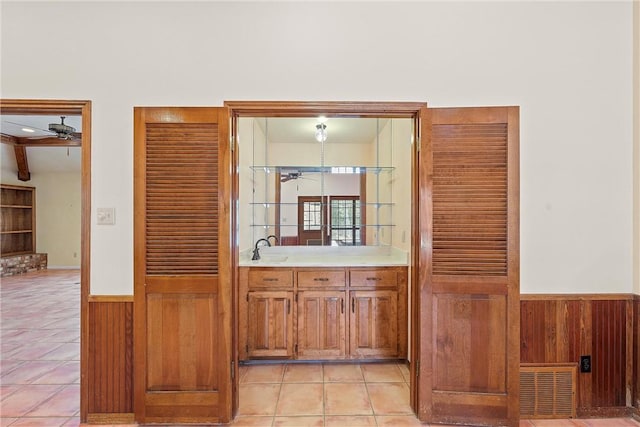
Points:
[(270, 331), (321, 324), (374, 324)]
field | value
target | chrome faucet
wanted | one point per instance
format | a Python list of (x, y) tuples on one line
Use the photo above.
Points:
[(274, 238), (256, 253)]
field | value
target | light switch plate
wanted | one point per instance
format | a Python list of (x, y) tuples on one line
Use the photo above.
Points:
[(106, 216)]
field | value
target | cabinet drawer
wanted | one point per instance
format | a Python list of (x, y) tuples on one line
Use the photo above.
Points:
[(261, 278), (378, 277), (321, 278)]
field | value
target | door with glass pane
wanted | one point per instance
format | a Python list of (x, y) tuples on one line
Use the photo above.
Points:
[(345, 220), (312, 223)]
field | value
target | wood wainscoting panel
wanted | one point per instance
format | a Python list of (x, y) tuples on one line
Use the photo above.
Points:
[(562, 328), (470, 343), (608, 359), (110, 361), (636, 352)]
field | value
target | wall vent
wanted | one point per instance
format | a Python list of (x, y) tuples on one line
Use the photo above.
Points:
[(548, 391)]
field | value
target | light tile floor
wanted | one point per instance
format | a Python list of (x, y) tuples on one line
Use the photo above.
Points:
[(40, 349), (39, 372)]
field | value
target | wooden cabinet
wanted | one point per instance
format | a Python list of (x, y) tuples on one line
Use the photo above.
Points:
[(271, 319), (321, 325), (18, 226), (270, 278), (374, 324), (337, 312)]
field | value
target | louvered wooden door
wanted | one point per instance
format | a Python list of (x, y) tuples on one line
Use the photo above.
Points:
[(469, 266), (182, 286)]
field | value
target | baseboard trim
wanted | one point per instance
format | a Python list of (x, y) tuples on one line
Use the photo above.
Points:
[(110, 298), (579, 297), (111, 418)]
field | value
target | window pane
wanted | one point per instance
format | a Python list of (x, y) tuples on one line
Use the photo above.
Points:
[(312, 215), (345, 221)]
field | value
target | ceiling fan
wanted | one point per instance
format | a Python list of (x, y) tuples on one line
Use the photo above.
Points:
[(63, 131), (288, 176), (60, 130)]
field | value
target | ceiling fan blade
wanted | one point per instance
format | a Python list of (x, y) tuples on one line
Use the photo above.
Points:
[(31, 127)]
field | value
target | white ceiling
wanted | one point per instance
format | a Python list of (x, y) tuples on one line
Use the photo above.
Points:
[(13, 124), (40, 159), (278, 129), (339, 129)]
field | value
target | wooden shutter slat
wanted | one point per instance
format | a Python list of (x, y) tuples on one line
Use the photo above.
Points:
[(181, 198), (470, 199)]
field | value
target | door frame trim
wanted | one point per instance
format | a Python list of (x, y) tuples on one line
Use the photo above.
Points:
[(82, 108), (412, 110)]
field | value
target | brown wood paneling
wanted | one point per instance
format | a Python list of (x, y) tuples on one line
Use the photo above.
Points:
[(550, 331), (110, 362), (636, 351), (470, 343), (559, 329), (181, 329), (609, 353)]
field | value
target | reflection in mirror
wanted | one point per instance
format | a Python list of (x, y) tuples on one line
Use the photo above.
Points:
[(350, 187)]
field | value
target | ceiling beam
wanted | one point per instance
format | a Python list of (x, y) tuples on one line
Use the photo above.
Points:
[(8, 139), (23, 165), (49, 142), (41, 142)]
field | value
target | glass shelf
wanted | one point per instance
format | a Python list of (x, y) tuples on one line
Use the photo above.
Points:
[(270, 204), (325, 169), (325, 225)]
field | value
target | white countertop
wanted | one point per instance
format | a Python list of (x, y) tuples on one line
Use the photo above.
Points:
[(325, 256)]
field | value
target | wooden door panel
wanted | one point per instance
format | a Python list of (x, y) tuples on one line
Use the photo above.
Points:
[(470, 343), (468, 348), (270, 327), (321, 324), (182, 329), (182, 274), (374, 324)]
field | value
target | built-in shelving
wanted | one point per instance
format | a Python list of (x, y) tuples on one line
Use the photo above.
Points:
[(17, 207), (278, 214)]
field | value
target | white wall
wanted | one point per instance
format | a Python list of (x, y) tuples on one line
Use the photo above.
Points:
[(567, 64), (58, 212)]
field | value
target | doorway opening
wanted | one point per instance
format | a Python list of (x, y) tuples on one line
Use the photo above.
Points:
[(285, 189), (81, 138)]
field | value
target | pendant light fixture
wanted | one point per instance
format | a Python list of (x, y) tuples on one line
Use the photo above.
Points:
[(321, 132)]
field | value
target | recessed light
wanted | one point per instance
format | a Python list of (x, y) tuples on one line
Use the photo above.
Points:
[(28, 130)]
